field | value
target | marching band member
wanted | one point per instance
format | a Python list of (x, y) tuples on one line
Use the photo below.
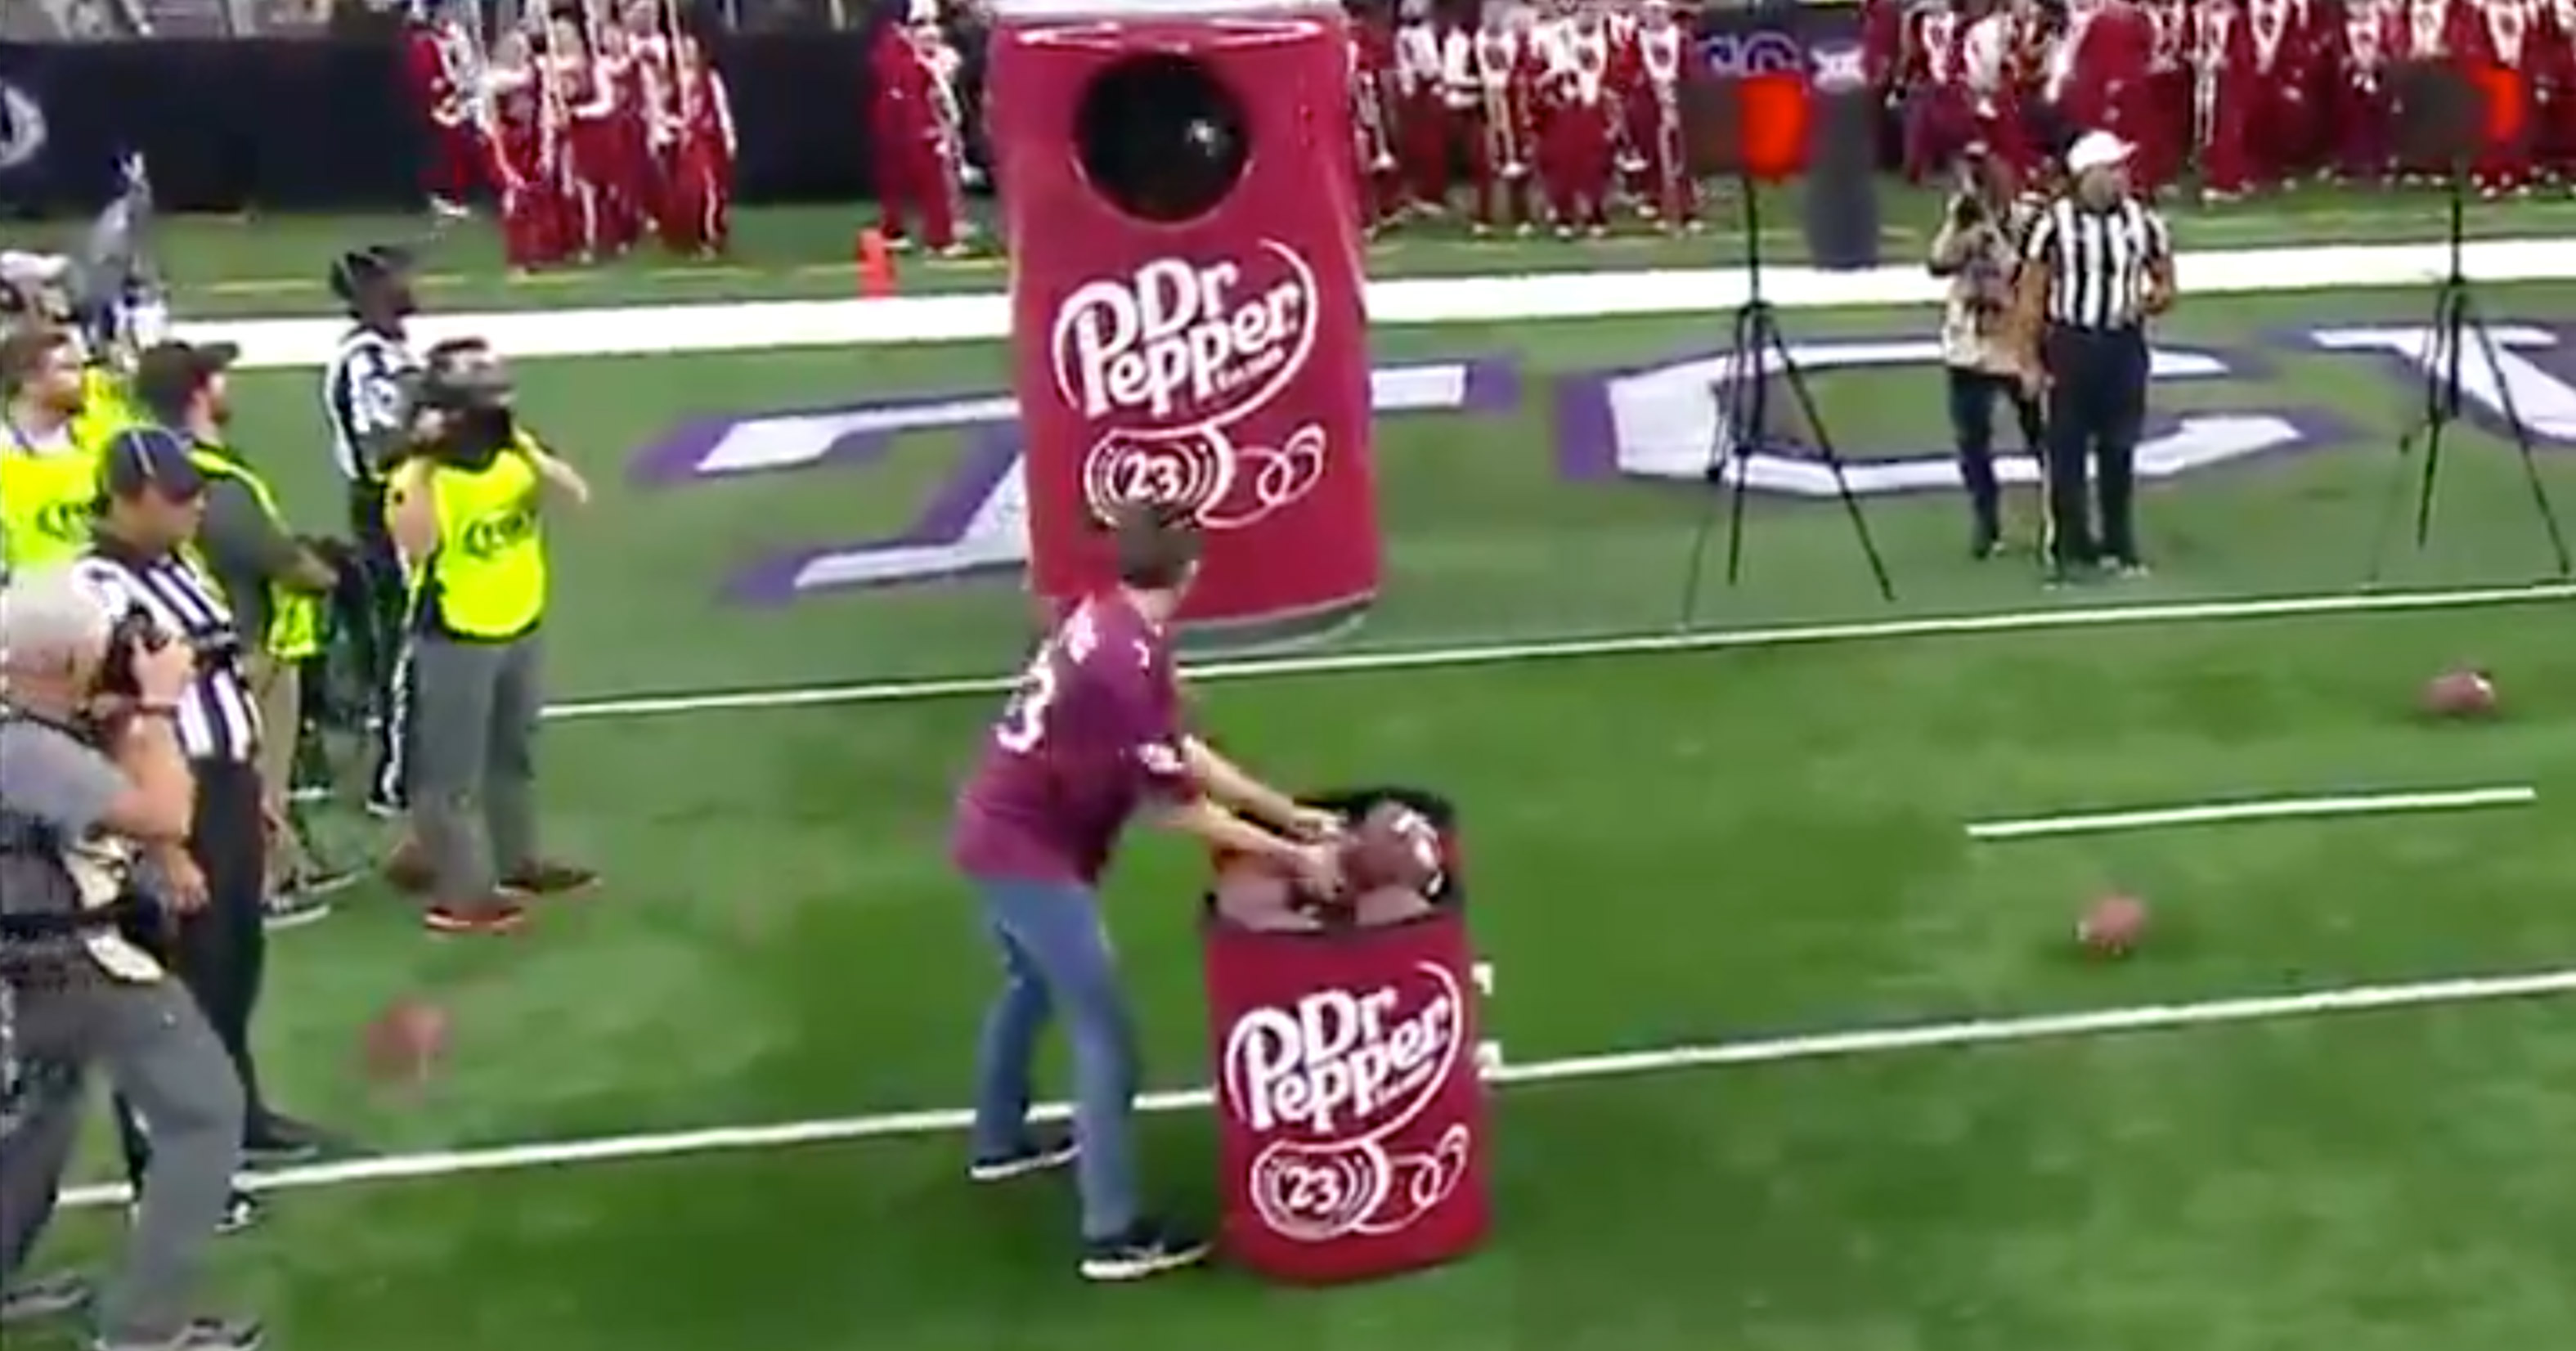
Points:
[(919, 146), (2223, 100), (599, 221), (2556, 92), (1656, 109), (1379, 183), (2358, 109), (525, 148), (444, 70), (1500, 156), (1940, 117), (1581, 111), (699, 206), (1461, 106), (1421, 115)]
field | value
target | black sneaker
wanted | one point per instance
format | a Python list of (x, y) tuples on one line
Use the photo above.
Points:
[(1985, 544), (2127, 569), (1033, 1157), (292, 908), (241, 1211), (276, 1140), (57, 1296), (1145, 1250), (202, 1334)]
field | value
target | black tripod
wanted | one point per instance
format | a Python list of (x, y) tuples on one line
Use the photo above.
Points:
[(2458, 322), (1757, 353)]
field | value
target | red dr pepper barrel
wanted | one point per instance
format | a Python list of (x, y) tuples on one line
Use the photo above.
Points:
[(1351, 1110)]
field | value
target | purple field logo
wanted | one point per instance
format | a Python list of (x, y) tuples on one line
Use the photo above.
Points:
[(1656, 422)]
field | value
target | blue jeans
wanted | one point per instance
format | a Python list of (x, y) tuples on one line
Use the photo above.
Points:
[(1055, 951)]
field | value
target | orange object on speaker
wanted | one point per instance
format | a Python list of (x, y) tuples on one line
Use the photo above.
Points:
[(1773, 127)]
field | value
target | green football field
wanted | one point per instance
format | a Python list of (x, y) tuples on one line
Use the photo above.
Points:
[(1672, 852)]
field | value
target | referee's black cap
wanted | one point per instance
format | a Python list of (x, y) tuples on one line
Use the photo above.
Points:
[(151, 460), (360, 271)]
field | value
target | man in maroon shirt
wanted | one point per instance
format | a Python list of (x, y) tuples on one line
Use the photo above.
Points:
[(1091, 737)]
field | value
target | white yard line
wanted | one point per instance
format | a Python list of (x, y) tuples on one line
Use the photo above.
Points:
[(1708, 640), (2269, 809), (1830, 1045)]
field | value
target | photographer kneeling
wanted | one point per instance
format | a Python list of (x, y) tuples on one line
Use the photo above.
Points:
[(91, 771), (1977, 250), (466, 503)]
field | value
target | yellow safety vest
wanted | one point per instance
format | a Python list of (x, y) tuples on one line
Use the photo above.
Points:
[(294, 617), (105, 409), (486, 577), (45, 502)]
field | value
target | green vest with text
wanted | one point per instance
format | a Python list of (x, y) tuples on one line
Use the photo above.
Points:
[(486, 578), (294, 617)]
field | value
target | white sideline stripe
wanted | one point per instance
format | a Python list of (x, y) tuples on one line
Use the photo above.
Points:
[(1830, 1045), (1708, 640), (656, 330), (2274, 809)]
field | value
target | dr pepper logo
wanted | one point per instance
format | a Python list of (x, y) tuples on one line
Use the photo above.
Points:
[(1334, 1086), (1172, 368)]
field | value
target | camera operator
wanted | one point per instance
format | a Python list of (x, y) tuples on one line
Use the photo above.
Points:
[(2098, 262), (467, 502), (366, 392), (275, 585), (151, 499), (91, 768), (1978, 250)]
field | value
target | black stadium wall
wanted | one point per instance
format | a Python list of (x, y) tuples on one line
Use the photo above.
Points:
[(325, 124)]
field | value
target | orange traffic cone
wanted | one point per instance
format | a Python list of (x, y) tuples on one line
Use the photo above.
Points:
[(876, 264)]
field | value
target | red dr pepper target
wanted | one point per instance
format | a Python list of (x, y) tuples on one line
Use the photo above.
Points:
[(1349, 1096), (1186, 295)]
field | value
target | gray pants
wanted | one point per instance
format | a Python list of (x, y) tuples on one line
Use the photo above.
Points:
[(160, 1055), (472, 756)]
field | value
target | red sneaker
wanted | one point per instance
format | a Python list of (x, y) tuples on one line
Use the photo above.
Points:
[(498, 915), (545, 878)]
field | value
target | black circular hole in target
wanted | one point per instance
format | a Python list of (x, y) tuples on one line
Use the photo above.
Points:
[(1161, 137)]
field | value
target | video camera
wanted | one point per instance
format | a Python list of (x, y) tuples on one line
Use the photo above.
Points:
[(136, 633), (467, 384)]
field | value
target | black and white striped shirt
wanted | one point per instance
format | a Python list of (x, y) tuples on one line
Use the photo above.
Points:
[(218, 718), (2098, 261), (363, 397)]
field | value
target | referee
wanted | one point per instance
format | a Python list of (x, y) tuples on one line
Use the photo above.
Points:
[(152, 496), (365, 398), (2096, 264)]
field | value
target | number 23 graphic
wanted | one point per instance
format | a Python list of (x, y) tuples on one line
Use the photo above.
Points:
[(1024, 720)]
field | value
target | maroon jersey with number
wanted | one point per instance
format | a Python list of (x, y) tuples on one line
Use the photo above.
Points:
[(1092, 733)]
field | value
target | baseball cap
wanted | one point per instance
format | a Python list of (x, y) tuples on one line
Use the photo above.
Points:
[(167, 374), (149, 459), (2096, 150)]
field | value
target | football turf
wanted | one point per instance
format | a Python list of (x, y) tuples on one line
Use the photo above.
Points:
[(1662, 850)]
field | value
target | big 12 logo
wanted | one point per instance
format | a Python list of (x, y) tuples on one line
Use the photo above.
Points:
[(1338, 1088), (1170, 371)]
